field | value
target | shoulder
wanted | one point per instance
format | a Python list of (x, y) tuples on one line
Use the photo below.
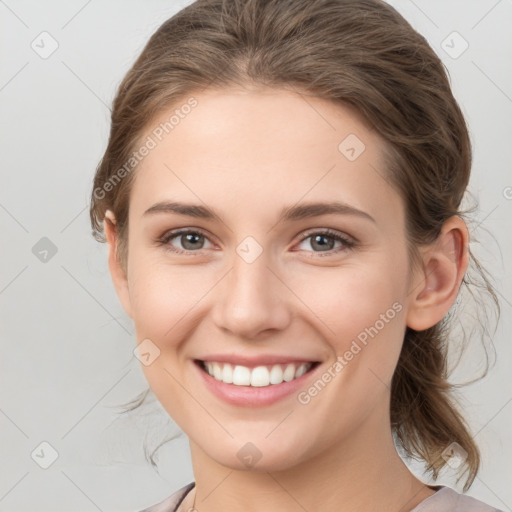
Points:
[(447, 499), (171, 503)]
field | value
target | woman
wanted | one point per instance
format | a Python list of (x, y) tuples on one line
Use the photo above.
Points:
[(313, 153)]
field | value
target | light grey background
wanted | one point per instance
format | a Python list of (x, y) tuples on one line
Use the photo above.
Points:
[(67, 345)]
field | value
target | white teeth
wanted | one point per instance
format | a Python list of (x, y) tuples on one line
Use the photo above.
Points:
[(289, 373), (260, 376), (241, 376), (227, 374), (217, 372), (208, 367), (276, 375), (301, 370)]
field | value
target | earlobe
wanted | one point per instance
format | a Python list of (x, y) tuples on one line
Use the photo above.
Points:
[(435, 288), (118, 274)]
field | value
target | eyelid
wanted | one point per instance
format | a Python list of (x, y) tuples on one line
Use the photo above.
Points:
[(327, 231)]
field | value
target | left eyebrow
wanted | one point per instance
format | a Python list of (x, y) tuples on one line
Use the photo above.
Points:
[(306, 210), (289, 213)]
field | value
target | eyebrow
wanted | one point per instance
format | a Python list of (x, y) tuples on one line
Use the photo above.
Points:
[(289, 213)]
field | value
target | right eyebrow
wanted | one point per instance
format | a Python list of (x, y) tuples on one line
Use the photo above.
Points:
[(192, 210)]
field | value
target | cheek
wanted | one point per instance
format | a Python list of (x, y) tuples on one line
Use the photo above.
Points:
[(363, 307), (350, 299), (162, 294), (365, 313), (166, 305)]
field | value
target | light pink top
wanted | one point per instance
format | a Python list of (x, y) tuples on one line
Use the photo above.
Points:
[(445, 499)]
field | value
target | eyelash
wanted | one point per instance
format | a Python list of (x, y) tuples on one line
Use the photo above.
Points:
[(348, 243)]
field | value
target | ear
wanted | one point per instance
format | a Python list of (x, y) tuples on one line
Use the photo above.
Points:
[(435, 287), (119, 277)]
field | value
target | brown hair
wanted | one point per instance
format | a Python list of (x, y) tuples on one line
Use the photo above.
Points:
[(357, 52)]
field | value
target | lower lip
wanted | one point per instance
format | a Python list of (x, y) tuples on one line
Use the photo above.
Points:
[(249, 396)]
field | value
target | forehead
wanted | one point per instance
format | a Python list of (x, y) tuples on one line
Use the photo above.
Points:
[(261, 123), (262, 147)]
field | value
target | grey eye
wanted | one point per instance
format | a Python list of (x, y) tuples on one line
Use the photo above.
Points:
[(189, 241), (320, 242)]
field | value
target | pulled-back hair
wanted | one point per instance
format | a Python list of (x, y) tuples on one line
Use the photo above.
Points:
[(361, 53)]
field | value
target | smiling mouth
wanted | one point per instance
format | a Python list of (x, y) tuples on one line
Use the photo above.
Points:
[(259, 376)]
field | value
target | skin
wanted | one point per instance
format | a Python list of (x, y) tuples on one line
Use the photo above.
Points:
[(247, 153)]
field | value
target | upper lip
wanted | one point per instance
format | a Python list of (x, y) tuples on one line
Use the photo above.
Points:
[(253, 361)]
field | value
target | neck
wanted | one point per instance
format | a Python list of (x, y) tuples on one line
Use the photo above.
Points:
[(363, 473)]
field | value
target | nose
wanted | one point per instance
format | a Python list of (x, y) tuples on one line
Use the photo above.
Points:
[(252, 299)]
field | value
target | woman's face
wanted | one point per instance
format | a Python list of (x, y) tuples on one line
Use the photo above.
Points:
[(261, 283)]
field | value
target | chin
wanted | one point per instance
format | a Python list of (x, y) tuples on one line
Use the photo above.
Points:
[(256, 456)]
